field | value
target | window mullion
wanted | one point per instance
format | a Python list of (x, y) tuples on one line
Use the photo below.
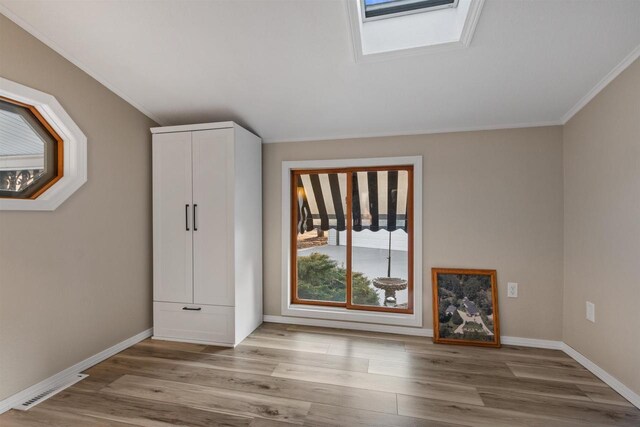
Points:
[(349, 224), (294, 238)]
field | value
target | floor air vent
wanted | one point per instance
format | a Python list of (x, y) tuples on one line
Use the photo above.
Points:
[(41, 397)]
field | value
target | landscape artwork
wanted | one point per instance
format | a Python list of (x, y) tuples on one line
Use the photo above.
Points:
[(465, 307)]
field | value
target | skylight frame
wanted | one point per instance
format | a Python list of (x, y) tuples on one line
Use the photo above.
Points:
[(416, 6), (378, 40)]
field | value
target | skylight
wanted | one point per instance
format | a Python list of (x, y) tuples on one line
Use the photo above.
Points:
[(446, 24), (378, 9)]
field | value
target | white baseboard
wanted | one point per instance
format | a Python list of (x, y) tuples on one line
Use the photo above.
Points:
[(609, 379), (43, 385), (532, 342), (403, 330)]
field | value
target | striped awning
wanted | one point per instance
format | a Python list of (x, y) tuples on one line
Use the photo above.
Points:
[(379, 200)]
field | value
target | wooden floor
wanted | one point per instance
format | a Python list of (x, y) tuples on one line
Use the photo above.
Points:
[(283, 375)]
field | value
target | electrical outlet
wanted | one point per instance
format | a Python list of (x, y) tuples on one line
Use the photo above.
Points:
[(512, 290), (591, 312)]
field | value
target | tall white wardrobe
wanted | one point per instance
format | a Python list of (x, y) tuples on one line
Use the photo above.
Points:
[(207, 233)]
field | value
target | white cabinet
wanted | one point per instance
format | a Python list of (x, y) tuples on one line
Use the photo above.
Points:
[(172, 245), (202, 323), (207, 233), (213, 226)]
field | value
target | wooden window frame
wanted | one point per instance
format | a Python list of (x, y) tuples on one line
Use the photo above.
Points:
[(294, 173), (59, 148), (72, 145)]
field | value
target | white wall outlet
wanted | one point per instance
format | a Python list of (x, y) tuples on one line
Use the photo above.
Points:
[(512, 290), (591, 311)]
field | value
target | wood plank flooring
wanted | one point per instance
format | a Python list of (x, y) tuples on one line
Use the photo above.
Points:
[(285, 375)]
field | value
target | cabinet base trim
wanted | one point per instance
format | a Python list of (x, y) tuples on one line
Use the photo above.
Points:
[(192, 341)]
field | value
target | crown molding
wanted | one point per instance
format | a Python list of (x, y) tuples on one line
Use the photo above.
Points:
[(611, 75), (619, 68), (417, 132)]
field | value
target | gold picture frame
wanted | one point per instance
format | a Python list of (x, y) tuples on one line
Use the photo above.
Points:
[(465, 307)]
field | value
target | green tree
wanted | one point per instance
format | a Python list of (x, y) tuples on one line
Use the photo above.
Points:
[(442, 313), (446, 330), (320, 278), (457, 319), (362, 291), (471, 290)]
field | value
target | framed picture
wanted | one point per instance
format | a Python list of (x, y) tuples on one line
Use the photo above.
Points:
[(465, 307)]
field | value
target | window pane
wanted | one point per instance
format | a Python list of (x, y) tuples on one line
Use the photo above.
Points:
[(28, 152), (376, 8), (380, 243), (321, 251)]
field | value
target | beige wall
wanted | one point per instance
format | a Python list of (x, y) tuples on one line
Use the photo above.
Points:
[(75, 281), (602, 228), (78, 280), (491, 200)]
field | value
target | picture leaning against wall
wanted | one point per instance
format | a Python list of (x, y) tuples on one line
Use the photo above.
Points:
[(465, 307)]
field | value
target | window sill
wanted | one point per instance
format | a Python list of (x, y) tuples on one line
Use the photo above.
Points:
[(340, 313)]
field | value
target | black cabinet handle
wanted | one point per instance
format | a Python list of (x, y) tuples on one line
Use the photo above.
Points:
[(195, 224), (192, 308), (186, 216)]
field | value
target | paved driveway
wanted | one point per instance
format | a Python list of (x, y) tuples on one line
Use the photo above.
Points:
[(476, 319)]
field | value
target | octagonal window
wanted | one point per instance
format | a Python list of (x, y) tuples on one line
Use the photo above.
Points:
[(30, 151)]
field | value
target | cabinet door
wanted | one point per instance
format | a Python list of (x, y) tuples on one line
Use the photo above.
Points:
[(213, 204), (172, 218)]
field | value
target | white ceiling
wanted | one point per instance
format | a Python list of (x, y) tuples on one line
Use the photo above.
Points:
[(286, 68)]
